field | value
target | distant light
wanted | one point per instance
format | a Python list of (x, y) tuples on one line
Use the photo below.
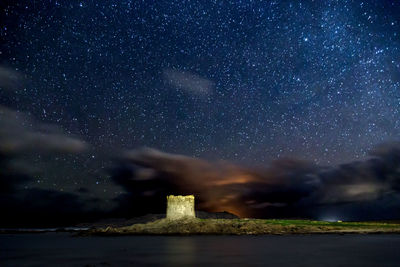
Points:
[(330, 219), (305, 39)]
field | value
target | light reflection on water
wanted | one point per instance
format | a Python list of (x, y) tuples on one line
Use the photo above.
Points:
[(180, 251)]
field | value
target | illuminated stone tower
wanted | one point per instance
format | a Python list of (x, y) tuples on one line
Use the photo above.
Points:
[(179, 207)]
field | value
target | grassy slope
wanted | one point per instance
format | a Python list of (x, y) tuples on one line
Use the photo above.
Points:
[(247, 227)]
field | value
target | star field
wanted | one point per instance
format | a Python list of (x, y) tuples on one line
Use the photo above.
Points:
[(318, 80)]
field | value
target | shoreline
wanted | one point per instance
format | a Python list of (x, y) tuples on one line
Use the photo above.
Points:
[(196, 226), (244, 227)]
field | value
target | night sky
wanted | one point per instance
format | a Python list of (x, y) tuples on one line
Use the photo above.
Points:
[(240, 82)]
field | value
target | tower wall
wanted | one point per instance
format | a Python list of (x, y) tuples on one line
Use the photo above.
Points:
[(179, 207)]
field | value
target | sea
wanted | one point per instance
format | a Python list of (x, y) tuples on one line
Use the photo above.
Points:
[(66, 249)]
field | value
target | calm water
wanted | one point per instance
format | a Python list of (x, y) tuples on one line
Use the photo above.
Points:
[(60, 249)]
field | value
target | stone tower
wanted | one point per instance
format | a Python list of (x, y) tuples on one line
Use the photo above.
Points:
[(179, 207)]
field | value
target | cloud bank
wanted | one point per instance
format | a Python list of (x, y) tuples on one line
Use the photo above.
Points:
[(285, 188)]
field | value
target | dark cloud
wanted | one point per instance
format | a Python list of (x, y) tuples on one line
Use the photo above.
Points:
[(82, 190), (31, 206), (287, 187), (24, 140), (361, 190), (44, 208), (20, 132), (24, 204), (10, 79), (9, 179)]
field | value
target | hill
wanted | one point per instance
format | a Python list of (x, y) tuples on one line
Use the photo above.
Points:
[(246, 227)]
